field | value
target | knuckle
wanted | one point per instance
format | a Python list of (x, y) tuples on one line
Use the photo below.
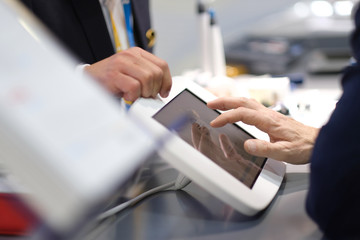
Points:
[(134, 86), (118, 55), (264, 148), (122, 54), (163, 64), (226, 118), (148, 76), (135, 52), (158, 74), (240, 111), (109, 76), (118, 59), (242, 99), (136, 49)]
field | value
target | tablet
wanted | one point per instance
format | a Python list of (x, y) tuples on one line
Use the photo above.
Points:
[(215, 158), (224, 146)]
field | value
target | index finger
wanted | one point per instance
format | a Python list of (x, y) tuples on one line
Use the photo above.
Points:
[(248, 116), (227, 103)]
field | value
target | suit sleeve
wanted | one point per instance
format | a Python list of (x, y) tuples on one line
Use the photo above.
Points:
[(333, 200), (78, 24), (334, 195)]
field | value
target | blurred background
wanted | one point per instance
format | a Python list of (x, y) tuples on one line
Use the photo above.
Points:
[(316, 29)]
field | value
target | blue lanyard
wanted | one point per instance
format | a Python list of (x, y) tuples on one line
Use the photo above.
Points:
[(129, 22)]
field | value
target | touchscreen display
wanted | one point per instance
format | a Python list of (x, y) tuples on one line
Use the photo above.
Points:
[(224, 146)]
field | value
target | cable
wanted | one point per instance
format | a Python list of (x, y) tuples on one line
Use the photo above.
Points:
[(180, 183)]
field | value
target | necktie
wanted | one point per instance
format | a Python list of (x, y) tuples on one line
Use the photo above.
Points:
[(118, 24)]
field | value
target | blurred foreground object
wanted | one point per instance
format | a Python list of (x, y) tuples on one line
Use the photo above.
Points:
[(16, 219), (62, 135)]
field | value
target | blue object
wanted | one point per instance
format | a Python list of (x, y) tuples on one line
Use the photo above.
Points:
[(128, 22)]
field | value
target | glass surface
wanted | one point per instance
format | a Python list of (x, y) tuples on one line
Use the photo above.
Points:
[(224, 146)]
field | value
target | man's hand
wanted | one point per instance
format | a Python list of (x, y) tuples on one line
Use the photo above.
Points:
[(290, 140), (133, 73)]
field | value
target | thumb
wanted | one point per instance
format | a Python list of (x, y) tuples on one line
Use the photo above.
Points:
[(260, 148)]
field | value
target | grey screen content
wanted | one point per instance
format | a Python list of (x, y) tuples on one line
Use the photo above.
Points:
[(224, 145)]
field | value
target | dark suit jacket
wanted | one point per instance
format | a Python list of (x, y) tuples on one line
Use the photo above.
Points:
[(334, 195), (81, 26)]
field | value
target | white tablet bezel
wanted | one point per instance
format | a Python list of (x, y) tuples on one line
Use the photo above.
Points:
[(204, 171)]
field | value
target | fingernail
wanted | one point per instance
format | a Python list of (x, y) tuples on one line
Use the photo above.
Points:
[(165, 94), (251, 146)]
